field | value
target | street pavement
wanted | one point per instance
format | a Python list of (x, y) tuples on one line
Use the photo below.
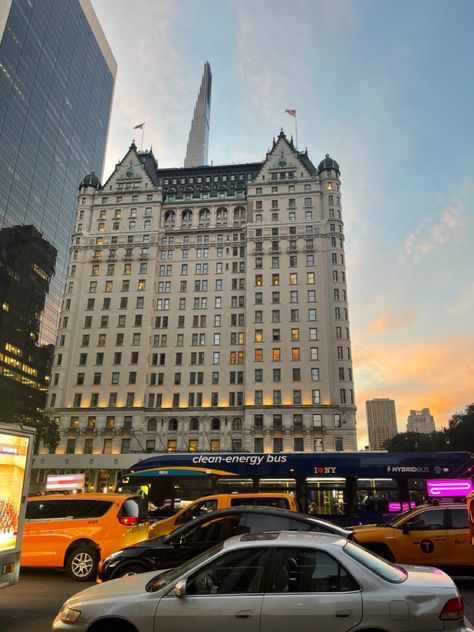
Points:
[(33, 603)]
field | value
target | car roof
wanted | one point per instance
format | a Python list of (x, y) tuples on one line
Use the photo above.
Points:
[(286, 538), (267, 511), (83, 496)]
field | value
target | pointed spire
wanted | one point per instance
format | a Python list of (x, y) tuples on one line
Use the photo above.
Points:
[(198, 142)]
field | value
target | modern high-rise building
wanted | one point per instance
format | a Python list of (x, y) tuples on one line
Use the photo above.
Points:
[(421, 421), (57, 77), (198, 142), (381, 421), (205, 310)]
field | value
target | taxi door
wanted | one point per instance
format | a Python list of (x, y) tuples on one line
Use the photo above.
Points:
[(461, 552), (424, 538)]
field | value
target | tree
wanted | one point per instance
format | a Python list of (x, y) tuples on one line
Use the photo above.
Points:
[(460, 431), (418, 442), (47, 431)]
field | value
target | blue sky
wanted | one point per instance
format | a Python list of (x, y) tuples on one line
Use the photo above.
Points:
[(384, 87)]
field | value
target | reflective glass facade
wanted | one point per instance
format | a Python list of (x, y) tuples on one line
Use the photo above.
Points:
[(56, 88)]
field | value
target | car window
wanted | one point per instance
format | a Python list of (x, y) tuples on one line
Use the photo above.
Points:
[(459, 518), (216, 530), (239, 571), (197, 510), (260, 501), (431, 519), (57, 509), (298, 569), (390, 572), (264, 522), (300, 525)]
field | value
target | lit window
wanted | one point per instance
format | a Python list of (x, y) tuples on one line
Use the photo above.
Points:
[(276, 355), (295, 353), (258, 356)]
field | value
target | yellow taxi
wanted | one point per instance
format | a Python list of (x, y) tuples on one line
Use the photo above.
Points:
[(204, 505), (428, 535), (76, 531)]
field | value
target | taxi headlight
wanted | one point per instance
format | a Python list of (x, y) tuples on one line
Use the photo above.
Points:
[(69, 615)]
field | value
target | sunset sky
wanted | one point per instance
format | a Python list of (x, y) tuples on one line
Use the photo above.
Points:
[(383, 87)]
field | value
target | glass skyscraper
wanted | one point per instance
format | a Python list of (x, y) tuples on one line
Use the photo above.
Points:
[(57, 76)]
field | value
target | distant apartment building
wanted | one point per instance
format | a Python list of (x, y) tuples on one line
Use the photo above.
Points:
[(205, 309), (421, 421), (57, 77), (381, 421)]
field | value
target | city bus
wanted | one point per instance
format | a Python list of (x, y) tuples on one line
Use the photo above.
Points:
[(347, 487)]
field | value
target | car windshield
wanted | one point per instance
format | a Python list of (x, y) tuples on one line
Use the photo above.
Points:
[(390, 572), (396, 518), (168, 577)]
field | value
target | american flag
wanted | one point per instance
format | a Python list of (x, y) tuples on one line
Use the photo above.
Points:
[(140, 126), (291, 112)]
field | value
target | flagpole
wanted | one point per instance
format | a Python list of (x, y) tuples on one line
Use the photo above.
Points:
[(143, 132), (296, 131)]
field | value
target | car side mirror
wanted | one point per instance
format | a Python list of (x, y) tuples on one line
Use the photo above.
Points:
[(180, 589), (405, 529)]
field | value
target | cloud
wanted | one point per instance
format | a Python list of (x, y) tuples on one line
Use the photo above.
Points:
[(436, 374), (423, 239), (465, 301), (393, 321)]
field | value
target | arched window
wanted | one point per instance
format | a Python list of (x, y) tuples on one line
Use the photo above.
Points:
[(152, 425), (237, 424), (204, 215), (172, 425), (215, 424), (187, 215), (170, 217), (221, 214), (194, 424)]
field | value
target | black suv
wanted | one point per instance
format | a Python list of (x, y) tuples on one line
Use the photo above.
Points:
[(194, 537)]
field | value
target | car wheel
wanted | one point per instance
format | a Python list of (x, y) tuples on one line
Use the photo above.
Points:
[(82, 563), (129, 569)]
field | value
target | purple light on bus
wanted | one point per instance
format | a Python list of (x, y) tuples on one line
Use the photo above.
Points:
[(449, 487), (394, 507)]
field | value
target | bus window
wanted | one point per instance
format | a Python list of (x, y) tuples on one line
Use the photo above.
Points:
[(326, 497)]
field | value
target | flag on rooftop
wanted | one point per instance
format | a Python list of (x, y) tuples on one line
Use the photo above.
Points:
[(291, 112), (140, 126)]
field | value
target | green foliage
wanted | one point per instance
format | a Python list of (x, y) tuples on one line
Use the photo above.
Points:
[(459, 435)]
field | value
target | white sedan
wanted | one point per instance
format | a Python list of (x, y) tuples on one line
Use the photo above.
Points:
[(273, 582)]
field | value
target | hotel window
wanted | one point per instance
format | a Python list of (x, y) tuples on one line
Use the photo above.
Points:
[(258, 375), (295, 354), (314, 353), (311, 296), (317, 420), (277, 397), (276, 334), (258, 335), (310, 278), (258, 355), (293, 296), (276, 375), (258, 397), (294, 315), (293, 278), (277, 444), (276, 355), (310, 260), (318, 444), (296, 375), (275, 297), (342, 394), (316, 396), (295, 334), (312, 314), (275, 279), (293, 261), (296, 397), (315, 374), (216, 357), (258, 280)]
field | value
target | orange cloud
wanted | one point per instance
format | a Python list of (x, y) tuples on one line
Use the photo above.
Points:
[(437, 374), (393, 321)]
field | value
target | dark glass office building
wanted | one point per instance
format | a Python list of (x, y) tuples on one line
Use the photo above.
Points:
[(57, 77)]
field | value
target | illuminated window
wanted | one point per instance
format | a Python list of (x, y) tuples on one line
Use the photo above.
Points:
[(315, 374), (258, 280), (141, 284), (193, 445), (276, 355), (295, 334), (310, 278), (316, 396), (171, 446), (258, 355), (215, 445), (294, 278), (108, 286), (295, 353), (275, 279), (258, 335)]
